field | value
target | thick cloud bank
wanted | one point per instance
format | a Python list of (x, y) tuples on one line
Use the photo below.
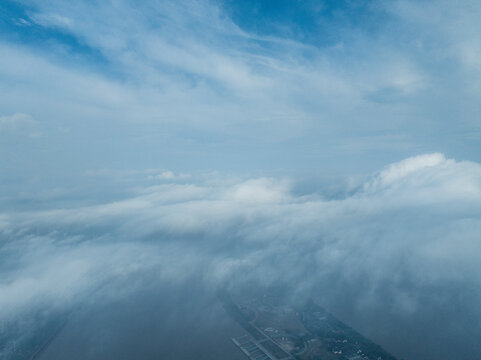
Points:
[(397, 258)]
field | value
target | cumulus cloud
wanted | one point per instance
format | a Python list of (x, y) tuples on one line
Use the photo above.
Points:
[(258, 191), (428, 178), (409, 166)]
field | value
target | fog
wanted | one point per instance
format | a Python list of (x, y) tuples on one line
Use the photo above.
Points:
[(394, 255)]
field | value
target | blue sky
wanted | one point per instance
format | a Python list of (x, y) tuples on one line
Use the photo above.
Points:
[(264, 87)]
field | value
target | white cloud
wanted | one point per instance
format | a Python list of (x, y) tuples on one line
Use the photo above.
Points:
[(258, 191), (400, 170), (429, 178), (52, 20)]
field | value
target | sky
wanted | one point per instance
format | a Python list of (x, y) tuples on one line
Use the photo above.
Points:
[(332, 147), (296, 88)]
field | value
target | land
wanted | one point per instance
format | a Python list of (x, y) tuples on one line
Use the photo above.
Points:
[(277, 331)]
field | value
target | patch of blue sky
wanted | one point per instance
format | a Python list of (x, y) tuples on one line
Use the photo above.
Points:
[(312, 24), (317, 23), (18, 27)]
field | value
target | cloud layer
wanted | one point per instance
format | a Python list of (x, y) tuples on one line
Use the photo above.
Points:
[(400, 249)]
